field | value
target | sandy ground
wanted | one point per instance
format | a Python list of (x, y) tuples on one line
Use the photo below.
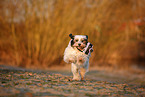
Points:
[(53, 82)]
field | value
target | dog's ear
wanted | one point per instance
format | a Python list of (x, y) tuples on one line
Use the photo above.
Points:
[(72, 42), (71, 36), (87, 36)]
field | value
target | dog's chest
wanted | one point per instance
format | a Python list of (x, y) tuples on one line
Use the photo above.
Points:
[(77, 52)]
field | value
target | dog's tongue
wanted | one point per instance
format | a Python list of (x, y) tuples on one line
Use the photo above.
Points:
[(80, 48)]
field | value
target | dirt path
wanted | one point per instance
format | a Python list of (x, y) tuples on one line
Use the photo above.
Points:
[(28, 83)]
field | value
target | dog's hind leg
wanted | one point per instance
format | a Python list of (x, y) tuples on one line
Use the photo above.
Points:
[(82, 73), (75, 71)]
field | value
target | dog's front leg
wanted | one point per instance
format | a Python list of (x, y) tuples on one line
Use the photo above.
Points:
[(75, 71)]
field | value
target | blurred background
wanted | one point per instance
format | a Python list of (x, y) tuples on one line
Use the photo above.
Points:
[(34, 33)]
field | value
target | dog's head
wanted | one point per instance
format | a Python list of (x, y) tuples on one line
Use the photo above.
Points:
[(79, 41)]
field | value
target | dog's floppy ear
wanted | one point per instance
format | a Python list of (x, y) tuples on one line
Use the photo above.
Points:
[(71, 36), (87, 36)]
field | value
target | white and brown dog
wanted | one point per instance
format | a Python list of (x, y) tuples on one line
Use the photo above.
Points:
[(78, 53)]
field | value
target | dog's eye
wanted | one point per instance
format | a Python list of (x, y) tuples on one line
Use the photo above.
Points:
[(76, 40)]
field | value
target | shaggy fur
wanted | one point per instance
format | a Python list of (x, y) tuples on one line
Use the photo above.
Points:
[(78, 53)]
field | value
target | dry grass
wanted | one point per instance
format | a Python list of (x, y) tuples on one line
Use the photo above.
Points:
[(35, 33)]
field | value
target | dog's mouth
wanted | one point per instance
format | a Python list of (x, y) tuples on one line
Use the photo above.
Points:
[(80, 48)]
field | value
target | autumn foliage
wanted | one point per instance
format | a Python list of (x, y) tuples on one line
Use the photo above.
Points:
[(35, 32)]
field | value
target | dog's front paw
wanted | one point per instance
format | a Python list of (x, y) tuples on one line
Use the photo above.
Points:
[(71, 61)]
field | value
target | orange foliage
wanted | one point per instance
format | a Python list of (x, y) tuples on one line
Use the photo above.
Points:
[(35, 33)]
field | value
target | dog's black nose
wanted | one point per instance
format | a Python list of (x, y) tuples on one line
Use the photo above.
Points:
[(79, 44)]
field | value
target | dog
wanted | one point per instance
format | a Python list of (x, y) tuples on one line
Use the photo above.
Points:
[(78, 53)]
